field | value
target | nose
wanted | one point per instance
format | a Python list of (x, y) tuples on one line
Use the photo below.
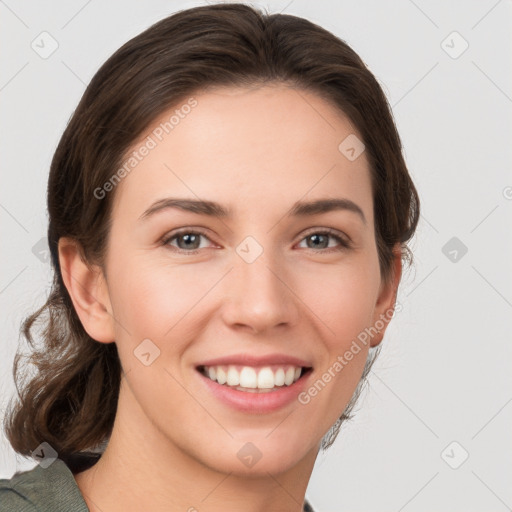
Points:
[(259, 296)]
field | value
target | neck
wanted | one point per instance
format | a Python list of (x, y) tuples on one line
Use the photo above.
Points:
[(142, 469)]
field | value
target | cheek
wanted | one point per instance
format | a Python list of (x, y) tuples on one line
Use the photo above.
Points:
[(343, 299), (344, 302), (155, 303), (165, 303), (151, 297)]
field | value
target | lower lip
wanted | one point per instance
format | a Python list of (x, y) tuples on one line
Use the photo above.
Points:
[(256, 403)]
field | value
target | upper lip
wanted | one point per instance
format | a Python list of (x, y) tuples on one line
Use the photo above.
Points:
[(249, 360)]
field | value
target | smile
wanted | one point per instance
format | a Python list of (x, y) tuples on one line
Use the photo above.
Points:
[(253, 379)]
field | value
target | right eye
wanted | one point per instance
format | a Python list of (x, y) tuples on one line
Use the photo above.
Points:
[(188, 241)]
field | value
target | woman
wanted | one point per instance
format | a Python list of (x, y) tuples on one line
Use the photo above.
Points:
[(229, 211)]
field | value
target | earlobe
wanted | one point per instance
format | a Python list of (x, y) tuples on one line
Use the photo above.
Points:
[(88, 290), (385, 306)]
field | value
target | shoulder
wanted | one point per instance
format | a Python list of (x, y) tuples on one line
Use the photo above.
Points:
[(10, 500), (42, 489)]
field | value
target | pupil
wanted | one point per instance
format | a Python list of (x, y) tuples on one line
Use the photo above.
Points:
[(188, 238), (316, 237)]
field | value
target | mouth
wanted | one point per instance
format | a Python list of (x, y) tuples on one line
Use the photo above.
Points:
[(255, 384), (255, 379)]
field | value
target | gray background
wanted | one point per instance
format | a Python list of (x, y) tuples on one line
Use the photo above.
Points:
[(445, 371)]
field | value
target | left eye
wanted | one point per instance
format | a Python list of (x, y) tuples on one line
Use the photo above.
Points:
[(320, 238)]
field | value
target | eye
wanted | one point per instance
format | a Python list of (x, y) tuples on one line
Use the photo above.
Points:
[(320, 240), (187, 240)]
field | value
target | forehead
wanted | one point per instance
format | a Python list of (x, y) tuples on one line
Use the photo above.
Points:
[(245, 147)]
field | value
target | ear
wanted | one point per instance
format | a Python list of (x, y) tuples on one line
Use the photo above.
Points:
[(88, 290), (385, 306)]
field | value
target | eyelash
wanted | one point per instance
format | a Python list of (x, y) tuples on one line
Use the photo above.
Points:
[(344, 244)]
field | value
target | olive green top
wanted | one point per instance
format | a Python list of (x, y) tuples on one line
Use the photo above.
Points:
[(51, 489)]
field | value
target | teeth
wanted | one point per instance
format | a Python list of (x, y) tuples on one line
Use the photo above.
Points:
[(266, 378), (279, 377), (248, 377), (220, 375), (252, 378), (289, 375), (233, 378)]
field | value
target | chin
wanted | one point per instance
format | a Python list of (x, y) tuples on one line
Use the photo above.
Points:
[(254, 458)]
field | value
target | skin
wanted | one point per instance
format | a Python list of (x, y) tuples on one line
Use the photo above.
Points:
[(257, 151)]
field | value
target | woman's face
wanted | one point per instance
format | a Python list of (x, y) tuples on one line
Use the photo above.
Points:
[(259, 288)]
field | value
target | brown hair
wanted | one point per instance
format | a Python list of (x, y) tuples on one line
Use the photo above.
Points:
[(71, 400)]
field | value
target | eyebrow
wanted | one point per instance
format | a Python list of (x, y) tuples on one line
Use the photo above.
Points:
[(213, 209)]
